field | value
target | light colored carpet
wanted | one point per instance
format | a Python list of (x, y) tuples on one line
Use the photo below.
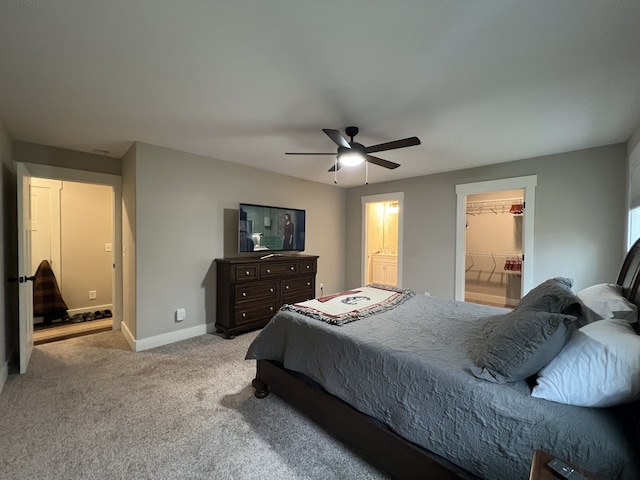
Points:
[(89, 408)]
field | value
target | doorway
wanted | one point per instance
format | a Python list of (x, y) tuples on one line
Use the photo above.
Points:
[(72, 241), (111, 247), (527, 185), (493, 255), (382, 239)]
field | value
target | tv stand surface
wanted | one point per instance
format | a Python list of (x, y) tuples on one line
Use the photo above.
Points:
[(271, 255)]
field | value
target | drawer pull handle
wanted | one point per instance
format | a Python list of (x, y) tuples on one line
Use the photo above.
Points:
[(308, 267), (247, 273), (244, 315), (271, 290), (308, 284), (286, 287), (271, 308), (244, 294), (292, 267), (268, 270)]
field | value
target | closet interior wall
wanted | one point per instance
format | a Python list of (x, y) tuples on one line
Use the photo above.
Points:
[(494, 248)]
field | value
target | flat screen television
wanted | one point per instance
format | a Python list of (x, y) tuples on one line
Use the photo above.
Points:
[(264, 228)]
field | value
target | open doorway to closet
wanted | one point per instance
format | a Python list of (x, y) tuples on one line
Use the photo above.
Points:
[(72, 246), (382, 239), (510, 249), (493, 255)]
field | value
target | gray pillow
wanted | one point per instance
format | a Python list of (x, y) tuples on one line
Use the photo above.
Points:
[(554, 295), (521, 343)]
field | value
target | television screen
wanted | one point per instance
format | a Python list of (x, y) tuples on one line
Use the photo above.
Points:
[(270, 229)]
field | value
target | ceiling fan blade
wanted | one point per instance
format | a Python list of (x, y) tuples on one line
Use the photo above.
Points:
[(337, 137), (405, 142), (381, 162), (308, 153)]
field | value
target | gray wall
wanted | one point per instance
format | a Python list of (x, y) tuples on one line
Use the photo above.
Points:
[(8, 265), (60, 157), (186, 216), (580, 219)]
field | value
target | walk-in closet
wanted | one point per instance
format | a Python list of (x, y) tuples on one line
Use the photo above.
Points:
[(493, 255)]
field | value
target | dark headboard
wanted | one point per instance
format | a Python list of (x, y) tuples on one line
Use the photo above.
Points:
[(629, 277)]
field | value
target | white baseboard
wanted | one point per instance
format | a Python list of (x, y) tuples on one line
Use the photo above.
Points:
[(165, 338), (497, 299), (127, 336), (4, 374)]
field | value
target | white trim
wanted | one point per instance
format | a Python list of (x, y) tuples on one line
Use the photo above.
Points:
[(496, 299), (384, 197), (528, 183), (165, 338), (126, 333), (4, 374), (115, 181)]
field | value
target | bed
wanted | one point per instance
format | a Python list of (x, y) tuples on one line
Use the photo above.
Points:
[(412, 387)]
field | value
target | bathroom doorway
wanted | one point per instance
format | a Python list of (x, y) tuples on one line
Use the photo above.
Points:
[(382, 239)]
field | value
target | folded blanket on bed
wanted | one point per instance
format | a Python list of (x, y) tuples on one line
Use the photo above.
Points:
[(352, 305)]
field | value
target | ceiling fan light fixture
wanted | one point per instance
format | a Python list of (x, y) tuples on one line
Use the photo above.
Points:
[(350, 159)]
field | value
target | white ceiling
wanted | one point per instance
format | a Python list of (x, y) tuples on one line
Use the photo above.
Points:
[(478, 81)]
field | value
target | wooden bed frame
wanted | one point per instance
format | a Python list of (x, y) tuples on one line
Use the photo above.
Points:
[(379, 446)]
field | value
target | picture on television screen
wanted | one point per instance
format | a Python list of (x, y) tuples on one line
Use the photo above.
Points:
[(270, 229)]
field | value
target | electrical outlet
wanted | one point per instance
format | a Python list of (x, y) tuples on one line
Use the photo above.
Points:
[(181, 314), (108, 247), (322, 286), (92, 295)]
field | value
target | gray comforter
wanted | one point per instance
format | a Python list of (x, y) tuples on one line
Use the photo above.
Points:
[(409, 368)]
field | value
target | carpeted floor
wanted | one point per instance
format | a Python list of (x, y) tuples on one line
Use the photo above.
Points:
[(89, 408)]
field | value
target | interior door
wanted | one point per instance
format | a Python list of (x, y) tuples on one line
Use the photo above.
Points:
[(25, 275)]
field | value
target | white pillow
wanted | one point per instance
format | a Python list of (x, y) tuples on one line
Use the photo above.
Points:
[(605, 300), (598, 367)]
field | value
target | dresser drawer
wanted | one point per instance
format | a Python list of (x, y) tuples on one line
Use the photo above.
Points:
[(253, 291), (246, 272), (278, 269), (307, 266), (297, 285), (252, 313)]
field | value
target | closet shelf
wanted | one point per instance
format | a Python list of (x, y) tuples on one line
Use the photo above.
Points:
[(502, 205), (517, 256)]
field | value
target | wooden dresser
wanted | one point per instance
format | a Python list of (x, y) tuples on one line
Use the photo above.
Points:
[(251, 290)]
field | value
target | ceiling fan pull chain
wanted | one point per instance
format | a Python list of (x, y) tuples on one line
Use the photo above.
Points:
[(335, 172), (366, 173)]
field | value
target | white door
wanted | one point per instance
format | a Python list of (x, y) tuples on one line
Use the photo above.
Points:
[(25, 275), (45, 224)]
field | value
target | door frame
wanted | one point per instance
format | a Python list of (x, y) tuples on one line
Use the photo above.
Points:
[(528, 183), (114, 181), (384, 197)]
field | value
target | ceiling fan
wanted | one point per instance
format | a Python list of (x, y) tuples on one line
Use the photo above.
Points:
[(352, 153)]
